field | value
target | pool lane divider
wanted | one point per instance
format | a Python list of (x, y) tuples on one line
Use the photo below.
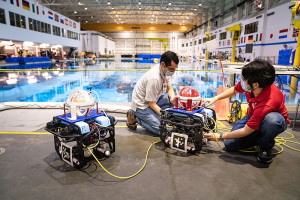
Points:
[(79, 70)]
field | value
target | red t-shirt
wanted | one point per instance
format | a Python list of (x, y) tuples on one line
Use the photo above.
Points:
[(269, 100)]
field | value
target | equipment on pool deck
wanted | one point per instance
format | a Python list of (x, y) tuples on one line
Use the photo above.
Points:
[(90, 130), (182, 129)]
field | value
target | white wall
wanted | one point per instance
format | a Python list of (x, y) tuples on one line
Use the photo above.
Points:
[(8, 32)]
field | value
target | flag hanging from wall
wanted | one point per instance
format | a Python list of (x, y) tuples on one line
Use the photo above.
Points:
[(50, 15), (295, 32), (43, 12), (4, 0), (33, 9), (228, 42), (74, 25), (250, 38), (241, 40), (25, 5), (12, 2), (37, 10), (67, 22), (56, 17), (70, 23), (17, 1), (62, 21), (283, 33)]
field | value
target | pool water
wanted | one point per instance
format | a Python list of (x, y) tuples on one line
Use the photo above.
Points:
[(111, 86)]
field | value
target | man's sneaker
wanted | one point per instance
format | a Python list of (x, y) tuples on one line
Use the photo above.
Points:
[(131, 120), (265, 156)]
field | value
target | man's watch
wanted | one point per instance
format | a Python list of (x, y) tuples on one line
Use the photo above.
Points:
[(221, 137)]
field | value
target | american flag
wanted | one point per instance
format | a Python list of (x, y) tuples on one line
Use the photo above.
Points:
[(295, 32)]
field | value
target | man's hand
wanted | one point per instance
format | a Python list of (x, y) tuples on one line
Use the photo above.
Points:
[(212, 137), (172, 100), (210, 101)]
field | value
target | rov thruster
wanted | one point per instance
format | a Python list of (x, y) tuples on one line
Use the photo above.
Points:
[(182, 127), (82, 130)]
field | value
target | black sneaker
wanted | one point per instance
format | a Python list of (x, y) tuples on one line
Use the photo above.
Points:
[(265, 156)]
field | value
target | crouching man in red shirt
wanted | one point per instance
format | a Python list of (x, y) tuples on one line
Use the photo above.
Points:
[(267, 115)]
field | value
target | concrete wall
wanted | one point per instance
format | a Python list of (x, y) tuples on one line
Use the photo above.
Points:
[(8, 32)]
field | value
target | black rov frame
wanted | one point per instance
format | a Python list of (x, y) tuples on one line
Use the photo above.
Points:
[(77, 155), (183, 130)]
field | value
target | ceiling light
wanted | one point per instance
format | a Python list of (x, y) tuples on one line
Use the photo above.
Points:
[(140, 8), (187, 17), (85, 8), (167, 8), (180, 24), (113, 8), (79, 17), (86, 21), (195, 9), (116, 15), (170, 3), (200, 4), (119, 19), (183, 21), (98, 21), (152, 15), (75, 12), (108, 2), (152, 19), (140, 2), (92, 17), (79, 3)]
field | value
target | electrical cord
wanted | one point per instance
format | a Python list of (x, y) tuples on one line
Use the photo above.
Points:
[(121, 177)]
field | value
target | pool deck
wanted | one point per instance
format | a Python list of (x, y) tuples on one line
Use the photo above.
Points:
[(31, 169)]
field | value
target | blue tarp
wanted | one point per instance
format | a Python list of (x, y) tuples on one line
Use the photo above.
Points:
[(26, 59)]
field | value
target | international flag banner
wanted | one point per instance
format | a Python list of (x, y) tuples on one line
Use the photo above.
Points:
[(56, 17), (256, 38), (37, 10), (228, 42), (220, 44), (283, 33), (25, 5), (17, 1), (74, 25), (295, 32), (62, 21), (4, 0), (67, 22), (241, 40), (245, 39), (70, 23), (224, 43), (260, 37), (50, 15), (33, 9), (12, 2), (238, 41), (43, 12), (250, 38)]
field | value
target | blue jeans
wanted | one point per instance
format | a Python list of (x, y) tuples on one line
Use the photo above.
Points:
[(272, 125), (148, 118)]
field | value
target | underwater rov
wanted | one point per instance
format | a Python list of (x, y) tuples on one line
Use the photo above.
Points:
[(182, 127), (81, 128)]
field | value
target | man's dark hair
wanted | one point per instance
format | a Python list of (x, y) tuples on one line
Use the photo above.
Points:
[(168, 57), (259, 71)]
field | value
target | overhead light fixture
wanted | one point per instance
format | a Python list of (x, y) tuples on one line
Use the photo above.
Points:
[(86, 21), (152, 15), (75, 12), (113, 8), (140, 7), (187, 17), (195, 9), (140, 3), (108, 2), (79, 3), (79, 17), (98, 21), (170, 3), (92, 17), (183, 21), (200, 4), (116, 15), (85, 8), (167, 8), (119, 19)]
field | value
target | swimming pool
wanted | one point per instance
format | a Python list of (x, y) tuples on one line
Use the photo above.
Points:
[(112, 85)]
